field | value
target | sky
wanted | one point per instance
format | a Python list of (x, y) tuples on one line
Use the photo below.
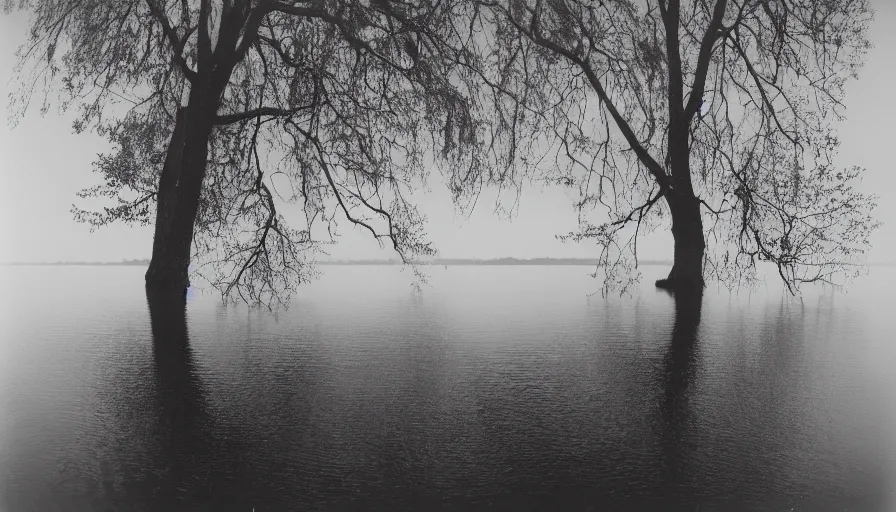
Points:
[(44, 164)]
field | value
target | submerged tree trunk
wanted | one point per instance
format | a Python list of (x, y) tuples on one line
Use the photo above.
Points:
[(165, 271), (180, 186), (687, 230)]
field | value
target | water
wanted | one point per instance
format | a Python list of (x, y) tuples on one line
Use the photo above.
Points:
[(502, 388)]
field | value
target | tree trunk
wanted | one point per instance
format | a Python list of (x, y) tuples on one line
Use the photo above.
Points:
[(180, 186), (687, 230)]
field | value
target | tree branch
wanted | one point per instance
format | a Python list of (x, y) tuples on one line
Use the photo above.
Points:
[(334, 20), (758, 81), (671, 14), (645, 158), (709, 39), (204, 43), (643, 208), (258, 112), (177, 45), (250, 31)]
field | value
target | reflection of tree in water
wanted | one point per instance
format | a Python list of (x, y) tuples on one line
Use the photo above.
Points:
[(189, 471), (678, 369)]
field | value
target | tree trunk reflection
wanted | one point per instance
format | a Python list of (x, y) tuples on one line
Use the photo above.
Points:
[(188, 470), (680, 363)]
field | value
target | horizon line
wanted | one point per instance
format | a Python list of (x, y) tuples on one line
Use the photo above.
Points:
[(511, 260), (355, 261)]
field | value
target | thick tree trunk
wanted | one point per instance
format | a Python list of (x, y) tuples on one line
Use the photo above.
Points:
[(180, 186), (687, 230), (166, 269)]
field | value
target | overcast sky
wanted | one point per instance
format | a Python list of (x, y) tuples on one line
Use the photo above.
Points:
[(44, 164)]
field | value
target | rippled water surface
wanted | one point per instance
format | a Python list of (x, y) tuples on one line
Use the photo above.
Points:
[(499, 387)]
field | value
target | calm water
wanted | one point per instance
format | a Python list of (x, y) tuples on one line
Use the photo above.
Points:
[(500, 387)]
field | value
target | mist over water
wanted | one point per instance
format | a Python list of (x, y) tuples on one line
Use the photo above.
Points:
[(498, 387)]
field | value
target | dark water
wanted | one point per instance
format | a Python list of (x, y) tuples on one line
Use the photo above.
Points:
[(500, 387)]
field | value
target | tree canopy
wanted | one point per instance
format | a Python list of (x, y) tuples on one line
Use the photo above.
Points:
[(733, 102), (340, 106)]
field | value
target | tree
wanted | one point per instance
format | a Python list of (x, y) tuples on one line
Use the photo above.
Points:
[(719, 113), (216, 106)]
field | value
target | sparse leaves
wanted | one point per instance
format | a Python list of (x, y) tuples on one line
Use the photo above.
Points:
[(344, 106), (340, 106), (757, 87)]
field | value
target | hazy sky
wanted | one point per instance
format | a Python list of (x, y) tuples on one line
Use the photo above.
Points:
[(44, 164)]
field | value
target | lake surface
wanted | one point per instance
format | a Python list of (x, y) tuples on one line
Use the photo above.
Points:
[(504, 388)]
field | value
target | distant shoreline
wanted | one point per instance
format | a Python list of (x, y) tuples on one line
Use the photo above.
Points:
[(457, 262), (75, 264), (449, 262), (466, 262)]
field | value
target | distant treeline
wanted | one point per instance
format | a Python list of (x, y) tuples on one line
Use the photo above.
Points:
[(496, 261), (85, 263), (439, 261)]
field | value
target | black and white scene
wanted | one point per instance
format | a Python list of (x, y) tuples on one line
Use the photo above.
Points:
[(447, 255)]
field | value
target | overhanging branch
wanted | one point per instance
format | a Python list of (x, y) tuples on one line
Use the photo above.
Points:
[(709, 39), (257, 112), (177, 44), (643, 155)]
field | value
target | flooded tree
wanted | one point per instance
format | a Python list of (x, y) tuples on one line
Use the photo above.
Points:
[(222, 111), (720, 114)]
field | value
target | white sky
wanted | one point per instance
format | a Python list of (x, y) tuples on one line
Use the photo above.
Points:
[(43, 165)]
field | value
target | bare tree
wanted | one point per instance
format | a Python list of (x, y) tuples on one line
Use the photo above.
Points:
[(221, 111), (720, 113)]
